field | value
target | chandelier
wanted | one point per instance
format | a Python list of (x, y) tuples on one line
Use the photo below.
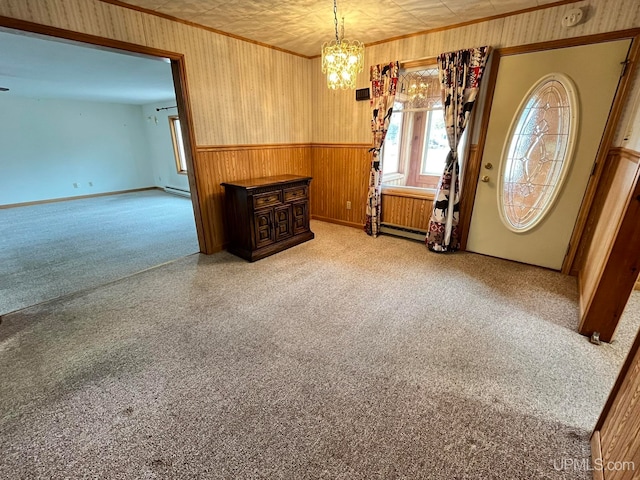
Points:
[(342, 59)]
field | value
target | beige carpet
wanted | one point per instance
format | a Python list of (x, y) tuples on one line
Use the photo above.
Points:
[(53, 249), (345, 357)]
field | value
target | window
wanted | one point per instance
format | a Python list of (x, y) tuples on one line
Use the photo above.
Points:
[(178, 145), (538, 152), (416, 146)]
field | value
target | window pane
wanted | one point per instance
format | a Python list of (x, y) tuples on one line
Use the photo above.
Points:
[(537, 154), (436, 145), (392, 143), (178, 144)]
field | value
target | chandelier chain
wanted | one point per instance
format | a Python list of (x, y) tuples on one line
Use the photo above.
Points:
[(335, 19), (342, 59)]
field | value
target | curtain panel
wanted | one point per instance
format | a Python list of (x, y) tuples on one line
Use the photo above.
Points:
[(460, 73), (384, 80)]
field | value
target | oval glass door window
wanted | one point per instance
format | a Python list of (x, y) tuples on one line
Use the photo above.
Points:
[(537, 153)]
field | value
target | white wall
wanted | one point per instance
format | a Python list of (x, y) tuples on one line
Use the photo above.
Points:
[(158, 133), (47, 145)]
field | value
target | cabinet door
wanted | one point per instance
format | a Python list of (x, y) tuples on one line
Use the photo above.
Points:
[(264, 233), (300, 217), (283, 222)]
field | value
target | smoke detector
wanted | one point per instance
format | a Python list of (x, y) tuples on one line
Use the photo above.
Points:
[(572, 18)]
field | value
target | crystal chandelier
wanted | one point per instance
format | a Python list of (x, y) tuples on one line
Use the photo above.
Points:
[(342, 59)]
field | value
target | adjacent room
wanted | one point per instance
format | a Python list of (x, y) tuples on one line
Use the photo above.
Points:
[(320, 239), (88, 159)]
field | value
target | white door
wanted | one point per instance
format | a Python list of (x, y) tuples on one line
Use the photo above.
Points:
[(547, 118)]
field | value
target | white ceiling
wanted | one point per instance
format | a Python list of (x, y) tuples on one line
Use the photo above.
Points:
[(31, 66), (302, 26)]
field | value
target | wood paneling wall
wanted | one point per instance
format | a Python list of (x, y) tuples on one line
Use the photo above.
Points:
[(218, 164), (609, 268), (615, 438), (407, 211), (340, 175), (602, 191)]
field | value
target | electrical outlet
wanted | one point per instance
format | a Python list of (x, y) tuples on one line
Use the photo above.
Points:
[(75, 185), (348, 205)]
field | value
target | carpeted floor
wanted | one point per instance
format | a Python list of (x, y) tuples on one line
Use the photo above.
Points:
[(345, 357), (53, 249)]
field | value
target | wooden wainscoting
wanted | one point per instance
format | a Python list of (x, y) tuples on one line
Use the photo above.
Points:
[(602, 191), (611, 259), (340, 174), (406, 211), (615, 442), (216, 164)]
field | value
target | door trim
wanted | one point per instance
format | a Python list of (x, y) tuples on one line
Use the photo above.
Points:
[(179, 82), (474, 163)]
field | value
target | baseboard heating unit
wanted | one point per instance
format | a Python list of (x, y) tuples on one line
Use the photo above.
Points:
[(406, 232), (177, 191)]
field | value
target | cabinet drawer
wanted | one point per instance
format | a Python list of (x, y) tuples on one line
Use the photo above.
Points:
[(296, 193), (267, 199)]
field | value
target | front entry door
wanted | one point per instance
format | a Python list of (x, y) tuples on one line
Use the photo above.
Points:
[(547, 106)]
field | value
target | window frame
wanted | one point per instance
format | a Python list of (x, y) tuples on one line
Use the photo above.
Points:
[(178, 144), (411, 152)]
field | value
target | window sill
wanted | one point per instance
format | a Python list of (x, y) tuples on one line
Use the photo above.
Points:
[(391, 177), (410, 192)]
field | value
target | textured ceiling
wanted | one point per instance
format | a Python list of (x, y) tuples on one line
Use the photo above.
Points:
[(302, 26)]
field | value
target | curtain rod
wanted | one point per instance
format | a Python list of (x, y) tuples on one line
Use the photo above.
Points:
[(166, 108)]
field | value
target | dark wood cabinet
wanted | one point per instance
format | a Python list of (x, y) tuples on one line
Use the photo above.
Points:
[(267, 215)]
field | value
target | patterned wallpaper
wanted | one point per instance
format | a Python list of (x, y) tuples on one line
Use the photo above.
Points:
[(240, 93), (349, 119)]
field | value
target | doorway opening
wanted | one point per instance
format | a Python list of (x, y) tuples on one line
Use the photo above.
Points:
[(89, 178)]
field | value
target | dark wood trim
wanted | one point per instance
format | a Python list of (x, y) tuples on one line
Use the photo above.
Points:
[(471, 170), (470, 22), (338, 222), (199, 25), (570, 42), (179, 80), (257, 146), (179, 72), (596, 455), (626, 153), (424, 62), (622, 375), (79, 197), (474, 163), (341, 145), (271, 146), (397, 192), (102, 42), (624, 87)]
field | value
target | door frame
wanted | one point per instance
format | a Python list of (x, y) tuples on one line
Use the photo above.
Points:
[(474, 163), (178, 71)]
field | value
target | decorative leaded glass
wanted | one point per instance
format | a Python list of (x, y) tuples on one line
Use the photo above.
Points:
[(420, 90), (538, 150)]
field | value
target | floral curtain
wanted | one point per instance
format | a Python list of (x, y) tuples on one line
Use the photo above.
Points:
[(460, 74), (384, 79)]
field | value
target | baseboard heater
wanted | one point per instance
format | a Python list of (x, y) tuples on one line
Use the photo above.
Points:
[(177, 191), (400, 231)]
